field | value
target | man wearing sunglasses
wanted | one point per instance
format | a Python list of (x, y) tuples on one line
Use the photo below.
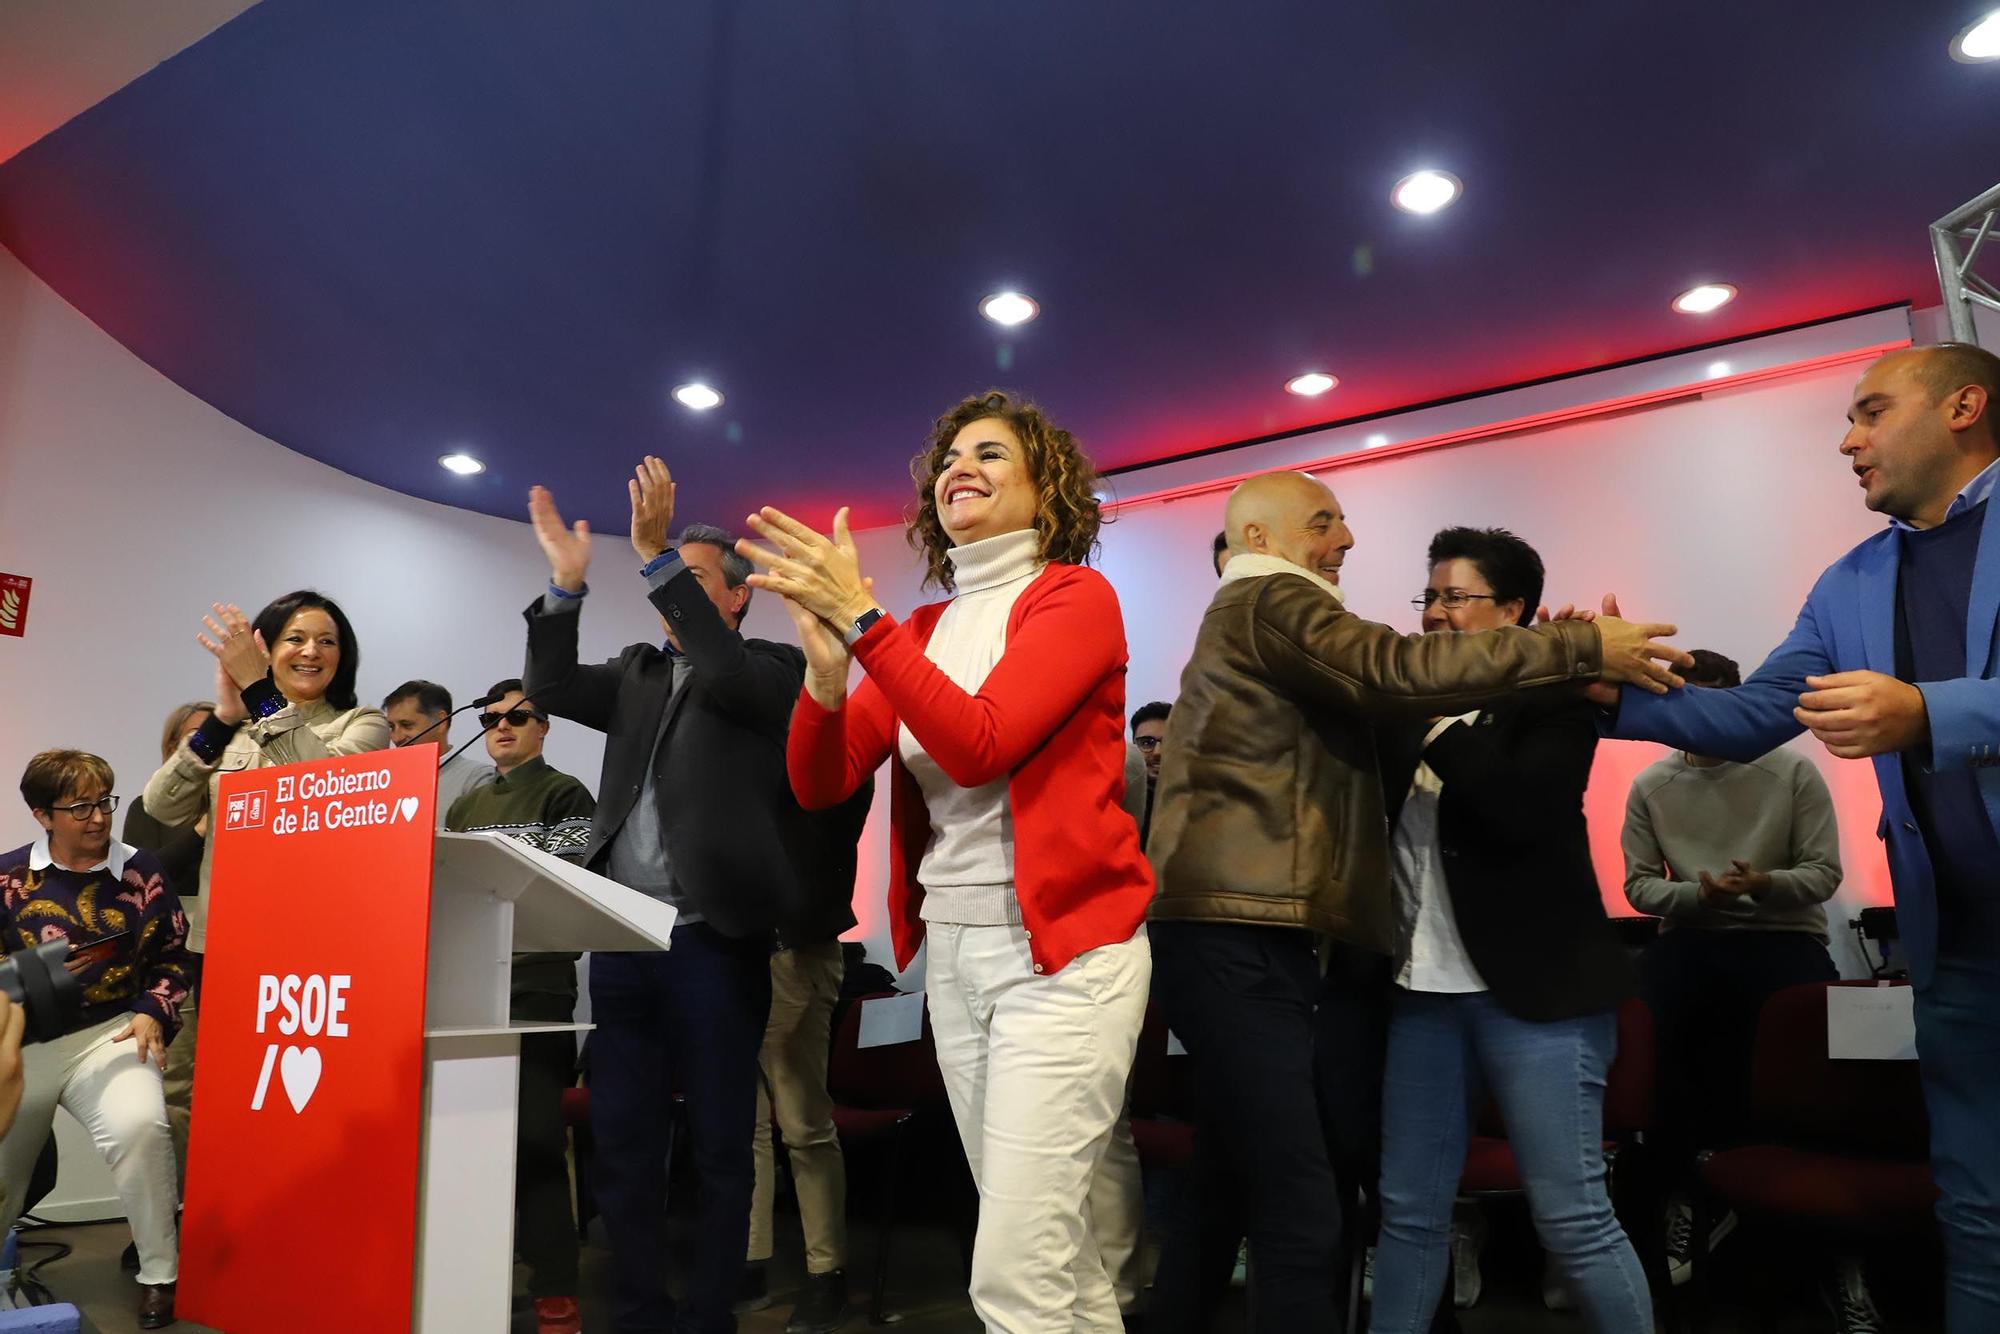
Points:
[(552, 811)]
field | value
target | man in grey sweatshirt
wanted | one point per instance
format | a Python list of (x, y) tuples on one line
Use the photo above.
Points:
[(1736, 860)]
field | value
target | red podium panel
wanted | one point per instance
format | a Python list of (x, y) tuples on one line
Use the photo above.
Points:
[(303, 1162)]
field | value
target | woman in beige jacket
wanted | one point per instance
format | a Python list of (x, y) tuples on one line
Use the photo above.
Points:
[(284, 692)]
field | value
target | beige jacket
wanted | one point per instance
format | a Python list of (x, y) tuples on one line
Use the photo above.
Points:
[(183, 789), (1269, 809)]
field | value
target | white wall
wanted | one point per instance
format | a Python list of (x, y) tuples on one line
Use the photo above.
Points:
[(133, 505)]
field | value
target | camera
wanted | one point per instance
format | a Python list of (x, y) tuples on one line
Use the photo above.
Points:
[(49, 995)]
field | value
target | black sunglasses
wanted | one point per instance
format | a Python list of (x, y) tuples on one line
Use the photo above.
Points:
[(514, 717)]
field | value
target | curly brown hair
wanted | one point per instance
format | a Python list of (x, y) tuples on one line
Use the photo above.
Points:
[(1067, 513)]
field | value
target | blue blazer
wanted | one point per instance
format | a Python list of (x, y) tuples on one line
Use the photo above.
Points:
[(1849, 624)]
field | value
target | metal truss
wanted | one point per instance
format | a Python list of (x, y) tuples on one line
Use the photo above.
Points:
[(1956, 239)]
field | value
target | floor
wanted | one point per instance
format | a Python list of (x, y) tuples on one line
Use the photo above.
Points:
[(928, 1291)]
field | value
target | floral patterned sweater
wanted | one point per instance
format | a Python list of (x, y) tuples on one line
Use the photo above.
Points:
[(148, 969)]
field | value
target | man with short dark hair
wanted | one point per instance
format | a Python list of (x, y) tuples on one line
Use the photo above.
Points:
[(550, 811), (695, 809), (1893, 659), (1149, 734), (419, 713)]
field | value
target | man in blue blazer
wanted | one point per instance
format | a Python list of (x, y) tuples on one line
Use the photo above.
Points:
[(1894, 659)]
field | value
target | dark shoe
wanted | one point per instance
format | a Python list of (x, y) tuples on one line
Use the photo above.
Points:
[(128, 1259), (754, 1292), (156, 1305), (822, 1306)]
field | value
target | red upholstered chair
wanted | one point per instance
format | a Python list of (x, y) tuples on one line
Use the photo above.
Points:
[(1162, 1128), (877, 1092), (1842, 1147)]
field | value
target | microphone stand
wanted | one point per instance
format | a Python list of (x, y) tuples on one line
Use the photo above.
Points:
[(479, 703)]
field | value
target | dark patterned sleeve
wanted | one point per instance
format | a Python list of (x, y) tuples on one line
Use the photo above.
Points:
[(567, 821), (161, 964)]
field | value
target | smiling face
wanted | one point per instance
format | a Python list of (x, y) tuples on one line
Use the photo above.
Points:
[(1293, 517), (983, 486), (408, 721), (78, 843), (1480, 612), (306, 655)]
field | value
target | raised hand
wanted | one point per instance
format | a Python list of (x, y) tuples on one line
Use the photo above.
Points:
[(1632, 655), (239, 650), (821, 574), (652, 490), (568, 549), (1599, 693)]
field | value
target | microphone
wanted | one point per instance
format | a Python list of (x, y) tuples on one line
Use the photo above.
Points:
[(479, 703)]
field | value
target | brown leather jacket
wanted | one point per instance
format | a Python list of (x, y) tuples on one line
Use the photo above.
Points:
[(1269, 809)]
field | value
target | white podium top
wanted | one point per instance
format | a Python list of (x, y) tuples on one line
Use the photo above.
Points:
[(557, 904)]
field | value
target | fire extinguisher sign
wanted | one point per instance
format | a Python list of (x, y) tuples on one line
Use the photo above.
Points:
[(14, 589)]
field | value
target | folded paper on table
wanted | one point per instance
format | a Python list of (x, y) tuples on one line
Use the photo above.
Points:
[(1870, 1024)]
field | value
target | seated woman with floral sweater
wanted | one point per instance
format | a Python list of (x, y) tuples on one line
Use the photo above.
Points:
[(128, 951)]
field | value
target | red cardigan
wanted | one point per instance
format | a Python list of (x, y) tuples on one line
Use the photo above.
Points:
[(1050, 716)]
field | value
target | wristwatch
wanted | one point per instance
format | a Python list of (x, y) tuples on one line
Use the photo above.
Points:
[(863, 624)]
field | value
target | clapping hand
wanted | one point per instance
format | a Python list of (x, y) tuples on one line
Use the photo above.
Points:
[(241, 658), (652, 490), (1735, 884), (821, 574), (568, 549)]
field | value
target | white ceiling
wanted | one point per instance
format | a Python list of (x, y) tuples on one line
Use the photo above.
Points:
[(60, 57)]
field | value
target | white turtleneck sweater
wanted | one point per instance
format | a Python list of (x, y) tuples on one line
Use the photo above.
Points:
[(968, 868)]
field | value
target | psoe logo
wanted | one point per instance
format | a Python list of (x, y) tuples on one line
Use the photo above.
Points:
[(246, 811), (314, 1006)]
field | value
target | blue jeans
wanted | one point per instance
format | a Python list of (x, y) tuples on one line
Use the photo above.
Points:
[(1958, 1041), (690, 1021), (1548, 1079)]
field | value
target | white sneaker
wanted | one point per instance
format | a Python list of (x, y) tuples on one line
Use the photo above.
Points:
[(1680, 1238), (1845, 1293), (1240, 1276), (1466, 1240), (1555, 1290)]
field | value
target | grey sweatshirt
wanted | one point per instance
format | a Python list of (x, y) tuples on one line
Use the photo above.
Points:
[(1774, 814)]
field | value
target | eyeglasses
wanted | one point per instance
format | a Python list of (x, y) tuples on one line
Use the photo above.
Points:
[(81, 810), (1146, 742), (1451, 599), (514, 717)]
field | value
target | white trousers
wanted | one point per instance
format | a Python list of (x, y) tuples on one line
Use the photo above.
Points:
[(117, 1098), (1036, 1067)]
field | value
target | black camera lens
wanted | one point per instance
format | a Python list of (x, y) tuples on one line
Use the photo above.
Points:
[(47, 992)]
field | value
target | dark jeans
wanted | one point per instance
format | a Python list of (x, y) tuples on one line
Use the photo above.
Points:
[(689, 1021), (1705, 989), (1958, 1042), (1241, 999), (544, 1226)]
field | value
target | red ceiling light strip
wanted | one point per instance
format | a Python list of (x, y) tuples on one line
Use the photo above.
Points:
[(1533, 422)]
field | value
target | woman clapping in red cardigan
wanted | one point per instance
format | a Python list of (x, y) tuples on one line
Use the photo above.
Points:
[(1002, 711)]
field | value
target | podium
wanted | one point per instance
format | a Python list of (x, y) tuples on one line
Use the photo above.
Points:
[(352, 1157)]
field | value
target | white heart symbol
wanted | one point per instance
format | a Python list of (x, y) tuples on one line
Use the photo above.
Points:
[(299, 1068), (408, 806)]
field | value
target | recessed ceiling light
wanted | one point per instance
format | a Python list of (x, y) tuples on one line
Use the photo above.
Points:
[(1009, 308), (1978, 43), (1376, 441), (697, 396), (463, 464), (1717, 369), (1311, 385), (1701, 300), (1425, 191)]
